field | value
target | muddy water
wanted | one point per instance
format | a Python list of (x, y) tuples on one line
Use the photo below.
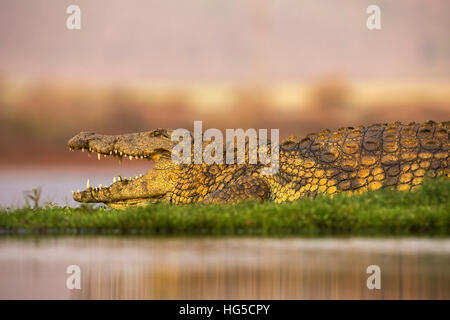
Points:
[(223, 268)]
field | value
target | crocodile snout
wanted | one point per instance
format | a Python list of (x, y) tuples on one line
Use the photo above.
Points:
[(81, 140)]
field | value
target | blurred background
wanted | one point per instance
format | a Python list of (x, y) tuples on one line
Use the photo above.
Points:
[(136, 65)]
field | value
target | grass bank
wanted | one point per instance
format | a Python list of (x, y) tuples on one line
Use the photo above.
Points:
[(425, 211)]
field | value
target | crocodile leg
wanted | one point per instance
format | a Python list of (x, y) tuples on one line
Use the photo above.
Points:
[(244, 188)]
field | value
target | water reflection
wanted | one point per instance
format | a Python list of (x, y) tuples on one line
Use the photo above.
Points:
[(218, 268)]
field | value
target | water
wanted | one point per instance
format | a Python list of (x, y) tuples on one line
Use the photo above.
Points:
[(223, 268), (57, 183)]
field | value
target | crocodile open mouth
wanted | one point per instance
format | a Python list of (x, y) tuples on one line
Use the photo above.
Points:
[(114, 193), (141, 189)]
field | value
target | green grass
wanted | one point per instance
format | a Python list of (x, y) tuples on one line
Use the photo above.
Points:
[(425, 211)]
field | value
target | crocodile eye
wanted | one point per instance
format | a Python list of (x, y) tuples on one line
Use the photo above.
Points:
[(160, 133)]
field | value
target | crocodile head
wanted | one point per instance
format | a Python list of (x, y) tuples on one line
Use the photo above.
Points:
[(150, 188)]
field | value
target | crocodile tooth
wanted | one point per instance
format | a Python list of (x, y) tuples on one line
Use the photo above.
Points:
[(98, 156), (78, 191), (87, 184), (140, 175), (114, 179), (121, 153), (142, 157), (100, 186), (110, 152), (82, 149), (73, 192), (135, 177), (130, 157)]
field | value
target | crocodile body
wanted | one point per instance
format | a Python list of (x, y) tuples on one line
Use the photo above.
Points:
[(355, 160)]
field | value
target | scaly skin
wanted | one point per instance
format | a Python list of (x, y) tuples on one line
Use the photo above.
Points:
[(349, 160)]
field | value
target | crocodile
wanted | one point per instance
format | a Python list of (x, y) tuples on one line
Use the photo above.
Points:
[(351, 160)]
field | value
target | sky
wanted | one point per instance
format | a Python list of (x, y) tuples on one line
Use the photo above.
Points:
[(234, 40)]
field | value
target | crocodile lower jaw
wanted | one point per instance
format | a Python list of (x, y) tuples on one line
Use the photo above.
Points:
[(122, 204)]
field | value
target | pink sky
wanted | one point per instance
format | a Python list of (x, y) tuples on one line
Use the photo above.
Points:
[(233, 40)]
